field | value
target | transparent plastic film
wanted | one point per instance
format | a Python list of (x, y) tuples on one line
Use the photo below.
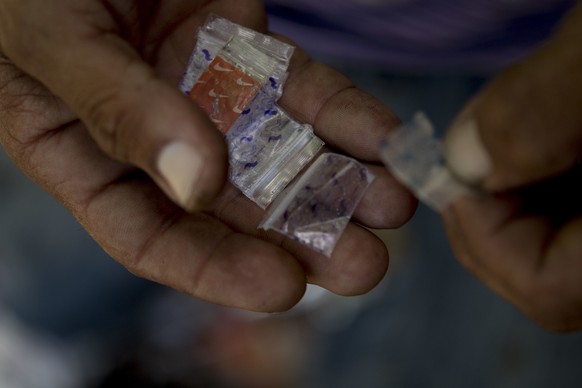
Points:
[(267, 154), (230, 65), (414, 156), (260, 66), (316, 208)]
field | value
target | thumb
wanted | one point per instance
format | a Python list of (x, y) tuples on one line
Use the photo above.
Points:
[(136, 117), (526, 125)]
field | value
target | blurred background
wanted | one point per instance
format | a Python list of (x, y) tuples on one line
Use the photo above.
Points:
[(71, 317)]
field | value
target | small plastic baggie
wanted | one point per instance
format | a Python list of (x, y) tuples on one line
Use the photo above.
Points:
[(414, 156), (232, 80), (267, 153), (230, 66), (215, 35), (316, 209)]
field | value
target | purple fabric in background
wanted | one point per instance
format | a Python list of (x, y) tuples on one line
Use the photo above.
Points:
[(419, 35)]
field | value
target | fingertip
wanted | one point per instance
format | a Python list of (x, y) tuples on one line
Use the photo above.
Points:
[(386, 204), (465, 153), (191, 177), (181, 166), (361, 262), (190, 158)]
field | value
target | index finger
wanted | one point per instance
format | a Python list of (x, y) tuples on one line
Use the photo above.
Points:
[(344, 116), (354, 122)]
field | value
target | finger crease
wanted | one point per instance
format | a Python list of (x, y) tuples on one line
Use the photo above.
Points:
[(203, 264)]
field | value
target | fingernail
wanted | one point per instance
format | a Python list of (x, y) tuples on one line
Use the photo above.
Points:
[(181, 164), (465, 153)]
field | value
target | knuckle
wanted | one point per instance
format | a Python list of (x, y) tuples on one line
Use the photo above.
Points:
[(114, 113), (27, 108), (111, 122)]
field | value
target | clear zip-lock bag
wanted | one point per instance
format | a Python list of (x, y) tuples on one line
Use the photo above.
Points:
[(267, 153), (414, 156), (233, 79), (214, 35), (316, 209)]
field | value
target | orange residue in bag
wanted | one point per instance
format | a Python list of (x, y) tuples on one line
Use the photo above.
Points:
[(224, 91)]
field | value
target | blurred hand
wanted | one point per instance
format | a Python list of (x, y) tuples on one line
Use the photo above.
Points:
[(521, 140), (89, 109)]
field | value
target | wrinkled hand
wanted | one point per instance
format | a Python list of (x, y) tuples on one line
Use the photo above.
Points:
[(521, 140), (89, 102)]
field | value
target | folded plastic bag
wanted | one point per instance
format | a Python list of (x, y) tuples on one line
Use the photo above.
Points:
[(268, 153), (316, 209), (414, 156), (232, 80), (214, 36)]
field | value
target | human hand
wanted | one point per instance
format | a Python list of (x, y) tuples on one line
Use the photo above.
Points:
[(520, 139), (89, 109)]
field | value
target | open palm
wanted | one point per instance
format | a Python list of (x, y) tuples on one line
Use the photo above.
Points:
[(103, 102)]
